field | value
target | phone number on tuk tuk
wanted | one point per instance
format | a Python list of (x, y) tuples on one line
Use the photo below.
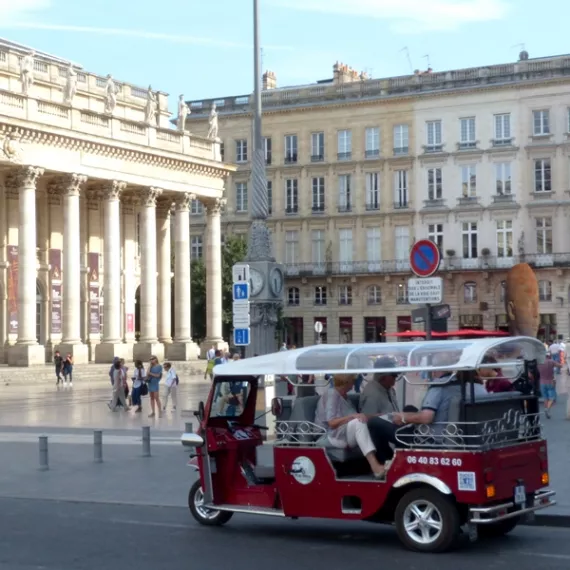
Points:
[(444, 461)]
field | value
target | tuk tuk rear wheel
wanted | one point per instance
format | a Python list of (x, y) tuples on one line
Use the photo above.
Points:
[(427, 521), (205, 516)]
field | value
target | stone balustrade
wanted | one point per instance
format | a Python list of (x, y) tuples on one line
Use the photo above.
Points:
[(44, 104)]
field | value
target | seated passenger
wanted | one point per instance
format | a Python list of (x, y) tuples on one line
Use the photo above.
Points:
[(345, 427), (379, 396), (435, 406)]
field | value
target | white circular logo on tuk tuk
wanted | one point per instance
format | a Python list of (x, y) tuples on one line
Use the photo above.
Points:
[(303, 470)]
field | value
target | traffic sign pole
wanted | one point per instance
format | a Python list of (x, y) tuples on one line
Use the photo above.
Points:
[(428, 322)]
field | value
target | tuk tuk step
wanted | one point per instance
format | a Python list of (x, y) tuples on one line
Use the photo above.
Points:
[(247, 510)]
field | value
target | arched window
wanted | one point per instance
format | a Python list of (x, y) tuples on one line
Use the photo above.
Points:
[(545, 290), (374, 295), (293, 297), (470, 292)]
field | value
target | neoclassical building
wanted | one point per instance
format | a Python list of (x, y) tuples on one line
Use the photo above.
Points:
[(92, 179), (477, 160)]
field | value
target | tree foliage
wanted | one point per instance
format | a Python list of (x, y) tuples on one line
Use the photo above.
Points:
[(233, 251)]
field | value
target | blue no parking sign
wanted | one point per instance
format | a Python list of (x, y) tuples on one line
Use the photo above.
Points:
[(424, 258)]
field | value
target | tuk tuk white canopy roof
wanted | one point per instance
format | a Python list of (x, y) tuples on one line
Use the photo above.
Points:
[(404, 357)]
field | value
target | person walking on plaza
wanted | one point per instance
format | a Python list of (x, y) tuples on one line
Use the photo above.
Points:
[(171, 386), (139, 386), (125, 370), (548, 382), (58, 363), (118, 387), (154, 376), (210, 357), (68, 369)]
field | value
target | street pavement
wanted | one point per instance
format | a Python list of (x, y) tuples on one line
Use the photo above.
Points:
[(52, 535)]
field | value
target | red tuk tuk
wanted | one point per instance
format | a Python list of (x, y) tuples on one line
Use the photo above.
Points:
[(485, 469)]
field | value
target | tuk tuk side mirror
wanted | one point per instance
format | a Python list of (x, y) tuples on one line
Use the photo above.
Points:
[(199, 413), (277, 407)]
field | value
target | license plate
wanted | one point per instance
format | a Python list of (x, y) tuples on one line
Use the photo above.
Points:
[(520, 495)]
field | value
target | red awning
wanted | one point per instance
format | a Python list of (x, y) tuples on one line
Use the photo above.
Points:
[(480, 333)]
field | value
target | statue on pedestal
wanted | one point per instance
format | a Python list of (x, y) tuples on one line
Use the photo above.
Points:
[(70, 88), (151, 107), (27, 72), (213, 121), (110, 95), (183, 112)]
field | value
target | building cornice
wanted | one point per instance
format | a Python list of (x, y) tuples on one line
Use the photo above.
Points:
[(21, 134), (389, 98)]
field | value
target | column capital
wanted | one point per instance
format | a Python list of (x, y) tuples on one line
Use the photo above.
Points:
[(214, 205), (183, 201), (164, 207), (149, 196), (112, 189), (68, 185), (23, 177)]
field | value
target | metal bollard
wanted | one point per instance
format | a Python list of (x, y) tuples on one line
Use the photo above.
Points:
[(44, 455), (188, 428), (146, 441), (98, 446)]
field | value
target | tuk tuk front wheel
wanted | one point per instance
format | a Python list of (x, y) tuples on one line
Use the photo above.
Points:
[(427, 521), (203, 515)]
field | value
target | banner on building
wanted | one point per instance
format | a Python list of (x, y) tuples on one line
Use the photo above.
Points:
[(55, 277), (94, 300), (130, 323), (13, 271)]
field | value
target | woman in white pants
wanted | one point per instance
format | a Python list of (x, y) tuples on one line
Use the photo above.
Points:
[(345, 426), (171, 386)]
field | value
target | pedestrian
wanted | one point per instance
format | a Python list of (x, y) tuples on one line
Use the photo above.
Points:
[(154, 376), (210, 356), (171, 385), (118, 387), (68, 369), (139, 386), (58, 363), (125, 370), (548, 382)]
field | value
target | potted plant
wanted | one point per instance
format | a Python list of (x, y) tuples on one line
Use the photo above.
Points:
[(450, 252), (486, 252)]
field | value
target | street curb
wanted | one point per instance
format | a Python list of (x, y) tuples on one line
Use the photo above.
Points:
[(557, 521)]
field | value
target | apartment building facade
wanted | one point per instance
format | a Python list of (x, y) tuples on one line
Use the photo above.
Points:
[(476, 160)]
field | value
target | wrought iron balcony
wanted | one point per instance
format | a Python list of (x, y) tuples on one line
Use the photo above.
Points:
[(402, 266), (344, 208), (401, 205), (317, 158), (292, 211), (401, 151), (318, 209), (374, 153), (468, 201), (502, 142), (503, 198), (434, 203), (291, 158), (372, 206), (344, 155)]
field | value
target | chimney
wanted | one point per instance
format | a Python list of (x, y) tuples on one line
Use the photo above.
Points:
[(269, 80), (344, 74)]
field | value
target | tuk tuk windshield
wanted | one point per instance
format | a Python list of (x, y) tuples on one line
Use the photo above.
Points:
[(398, 357), (230, 399)]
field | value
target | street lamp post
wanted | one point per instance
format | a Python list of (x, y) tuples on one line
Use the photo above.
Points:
[(267, 276)]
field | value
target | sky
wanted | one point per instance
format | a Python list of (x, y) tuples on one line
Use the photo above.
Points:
[(204, 49)]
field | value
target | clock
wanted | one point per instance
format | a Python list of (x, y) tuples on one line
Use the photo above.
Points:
[(257, 282), (276, 281)]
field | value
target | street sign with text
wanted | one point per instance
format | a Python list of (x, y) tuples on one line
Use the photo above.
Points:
[(425, 291)]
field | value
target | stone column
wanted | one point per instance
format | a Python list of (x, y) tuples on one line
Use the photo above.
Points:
[(148, 344), (70, 187), (111, 344), (27, 351), (182, 348), (164, 271), (213, 277)]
